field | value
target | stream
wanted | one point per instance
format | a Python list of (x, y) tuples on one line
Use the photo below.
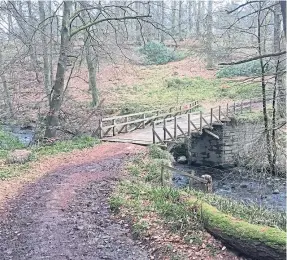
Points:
[(269, 192), (233, 183), (24, 134)]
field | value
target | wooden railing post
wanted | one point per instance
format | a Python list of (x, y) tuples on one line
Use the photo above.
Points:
[(170, 110), (190, 107), (100, 128), (153, 134), (200, 122), (219, 113), (234, 107), (211, 115), (188, 125), (114, 127), (175, 127), (164, 129)]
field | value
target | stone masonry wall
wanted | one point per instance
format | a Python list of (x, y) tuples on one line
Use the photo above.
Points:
[(234, 138)]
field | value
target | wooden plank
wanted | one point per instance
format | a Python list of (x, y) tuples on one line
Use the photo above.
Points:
[(194, 126), (141, 120), (148, 112), (212, 134), (157, 136), (207, 123)]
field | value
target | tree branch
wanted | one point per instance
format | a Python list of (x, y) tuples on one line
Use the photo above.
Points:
[(254, 58), (107, 19)]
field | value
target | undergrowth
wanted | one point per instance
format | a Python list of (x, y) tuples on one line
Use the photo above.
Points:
[(143, 194), (8, 142), (39, 151), (247, 69), (157, 53)]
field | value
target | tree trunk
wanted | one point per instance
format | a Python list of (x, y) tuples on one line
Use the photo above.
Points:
[(209, 36), (198, 17), (190, 3), (51, 44), (263, 88), (47, 77), (8, 102), (180, 20), (138, 28), (55, 105), (173, 9), (255, 241), (10, 25), (281, 87), (162, 21), (90, 59), (251, 248)]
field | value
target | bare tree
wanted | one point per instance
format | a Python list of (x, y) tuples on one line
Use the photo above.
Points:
[(47, 68), (209, 34)]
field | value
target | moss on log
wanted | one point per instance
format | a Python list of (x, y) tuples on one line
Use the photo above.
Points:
[(256, 241)]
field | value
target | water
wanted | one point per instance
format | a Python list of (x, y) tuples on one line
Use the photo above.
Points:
[(24, 135), (237, 185)]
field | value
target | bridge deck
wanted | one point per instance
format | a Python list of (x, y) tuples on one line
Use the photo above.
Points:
[(145, 136)]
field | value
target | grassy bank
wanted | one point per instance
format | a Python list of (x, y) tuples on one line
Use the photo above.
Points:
[(161, 91), (145, 202), (10, 143)]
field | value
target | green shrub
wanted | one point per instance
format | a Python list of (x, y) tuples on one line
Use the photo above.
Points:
[(156, 152), (158, 53), (251, 68), (115, 203), (8, 142)]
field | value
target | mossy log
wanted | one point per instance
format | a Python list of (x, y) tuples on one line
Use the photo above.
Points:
[(256, 241)]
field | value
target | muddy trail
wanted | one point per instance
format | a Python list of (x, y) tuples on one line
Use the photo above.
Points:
[(64, 214)]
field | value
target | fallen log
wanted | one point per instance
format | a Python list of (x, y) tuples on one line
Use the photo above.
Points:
[(255, 241)]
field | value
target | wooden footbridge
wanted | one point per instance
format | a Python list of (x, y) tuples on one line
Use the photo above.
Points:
[(167, 125)]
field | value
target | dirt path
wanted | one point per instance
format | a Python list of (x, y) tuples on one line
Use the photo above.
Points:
[(64, 213)]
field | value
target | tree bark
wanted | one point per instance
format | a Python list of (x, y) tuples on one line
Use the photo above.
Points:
[(162, 21), (51, 44), (138, 28), (263, 89), (190, 3), (281, 87), (255, 241), (173, 9), (209, 35), (198, 17), (8, 102), (90, 59), (47, 77), (180, 20), (58, 88)]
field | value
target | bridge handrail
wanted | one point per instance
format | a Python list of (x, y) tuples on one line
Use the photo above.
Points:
[(147, 112), (142, 121)]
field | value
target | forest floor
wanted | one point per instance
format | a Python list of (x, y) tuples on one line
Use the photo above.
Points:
[(60, 210)]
